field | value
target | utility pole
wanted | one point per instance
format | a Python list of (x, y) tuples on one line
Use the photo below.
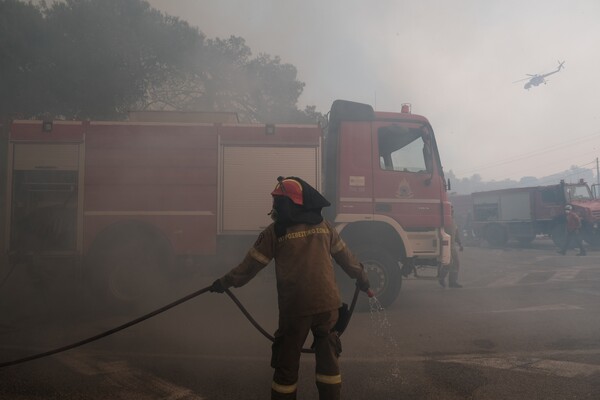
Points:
[(597, 172)]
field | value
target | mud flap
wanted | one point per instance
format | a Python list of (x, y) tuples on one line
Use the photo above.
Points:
[(446, 248)]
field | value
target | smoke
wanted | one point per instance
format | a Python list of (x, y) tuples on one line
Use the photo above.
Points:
[(54, 313), (455, 65)]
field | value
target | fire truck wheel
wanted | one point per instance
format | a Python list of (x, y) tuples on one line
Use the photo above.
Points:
[(384, 274), (129, 269), (495, 235)]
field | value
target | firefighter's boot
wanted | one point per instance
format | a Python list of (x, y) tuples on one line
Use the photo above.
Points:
[(443, 272), (329, 391), (453, 280)]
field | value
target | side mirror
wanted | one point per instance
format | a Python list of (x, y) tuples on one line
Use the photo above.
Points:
[(448, 185)]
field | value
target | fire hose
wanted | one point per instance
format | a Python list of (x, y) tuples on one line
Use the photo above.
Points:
[(343, 320)]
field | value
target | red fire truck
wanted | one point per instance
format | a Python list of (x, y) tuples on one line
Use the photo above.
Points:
[(132, 205), (522, 213)]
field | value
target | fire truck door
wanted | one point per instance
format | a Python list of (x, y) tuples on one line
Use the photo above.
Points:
[(406, 182), (45, 195)]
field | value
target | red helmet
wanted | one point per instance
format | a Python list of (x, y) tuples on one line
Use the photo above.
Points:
[(289, 188)]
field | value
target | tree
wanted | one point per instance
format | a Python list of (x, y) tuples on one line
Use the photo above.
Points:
[(23, 41), (86, 58), (110, 52), (225, 77), (99, 59)]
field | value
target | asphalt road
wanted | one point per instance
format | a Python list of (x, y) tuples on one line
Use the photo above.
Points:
[(526, 325)]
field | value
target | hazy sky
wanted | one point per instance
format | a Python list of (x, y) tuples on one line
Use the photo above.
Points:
[(454, 61)]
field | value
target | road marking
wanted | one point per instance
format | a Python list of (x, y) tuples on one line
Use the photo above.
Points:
[(536, 276), (544, 307), (544, 258), (565, 369), (126, 379), (510, 279), (120, 374), (566, 275), (586, 291)]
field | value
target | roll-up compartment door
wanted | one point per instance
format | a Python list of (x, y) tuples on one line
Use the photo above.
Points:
[(249, 175), (45, 197)]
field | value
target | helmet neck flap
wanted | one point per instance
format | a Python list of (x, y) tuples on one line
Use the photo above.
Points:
[(288, 212)]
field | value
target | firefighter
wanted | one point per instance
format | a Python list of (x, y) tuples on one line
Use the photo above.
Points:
[(302, 244), (454, 266), (572, 227)]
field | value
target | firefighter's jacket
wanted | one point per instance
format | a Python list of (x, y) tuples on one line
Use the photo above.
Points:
[(454, 232), (573, 222), (303, 266)]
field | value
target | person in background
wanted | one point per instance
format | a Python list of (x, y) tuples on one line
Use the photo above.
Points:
[(573, 226), (302, 244), (451, 270)]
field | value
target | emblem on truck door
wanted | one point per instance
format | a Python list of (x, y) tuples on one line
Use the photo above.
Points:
[(404, 189)]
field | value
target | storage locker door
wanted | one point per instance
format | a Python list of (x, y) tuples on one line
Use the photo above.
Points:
[(250, 175)]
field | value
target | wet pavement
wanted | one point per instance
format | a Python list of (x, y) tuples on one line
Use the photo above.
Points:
[(524, 326)]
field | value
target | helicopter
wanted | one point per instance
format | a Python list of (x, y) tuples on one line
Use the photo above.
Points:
[(537, 79)]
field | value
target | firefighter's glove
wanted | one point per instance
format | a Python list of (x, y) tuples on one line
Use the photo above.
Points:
[(217, 287), (363, 286)]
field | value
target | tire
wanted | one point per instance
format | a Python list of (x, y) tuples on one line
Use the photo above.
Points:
[(129, 269), (383, 272), (496, 235)]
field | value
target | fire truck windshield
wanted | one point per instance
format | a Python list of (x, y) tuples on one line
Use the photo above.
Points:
[(578, 192), (403, 148)]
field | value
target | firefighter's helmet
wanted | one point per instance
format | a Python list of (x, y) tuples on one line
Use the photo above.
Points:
[(289, 188), (568, 207)]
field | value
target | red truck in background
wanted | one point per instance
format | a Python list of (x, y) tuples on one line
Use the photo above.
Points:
[(130, 206), (522, 213)]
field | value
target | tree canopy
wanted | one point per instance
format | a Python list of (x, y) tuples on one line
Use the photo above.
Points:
[(99, 59)]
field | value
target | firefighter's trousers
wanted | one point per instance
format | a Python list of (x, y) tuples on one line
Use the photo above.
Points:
[(576, 237), (287, 346)]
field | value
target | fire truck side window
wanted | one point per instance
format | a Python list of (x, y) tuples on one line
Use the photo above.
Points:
[(403, 149), (579, 193), (551, 196)]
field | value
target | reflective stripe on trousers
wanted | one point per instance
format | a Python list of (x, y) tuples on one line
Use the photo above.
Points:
[(329, 379), (283, 392)]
